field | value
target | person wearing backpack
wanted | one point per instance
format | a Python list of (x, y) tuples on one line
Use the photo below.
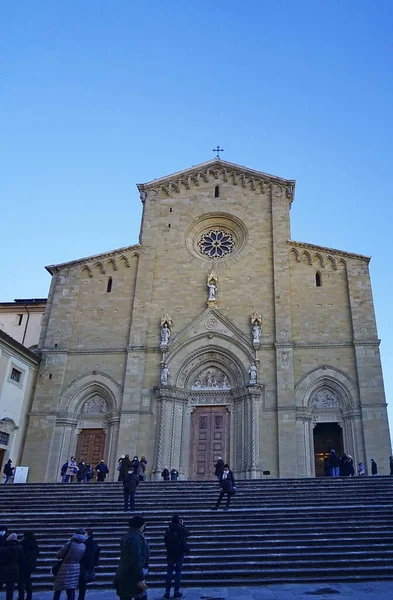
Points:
[(88, 563), (176, 546)]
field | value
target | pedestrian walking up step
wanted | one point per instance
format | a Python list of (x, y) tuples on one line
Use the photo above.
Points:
[(309, 530)]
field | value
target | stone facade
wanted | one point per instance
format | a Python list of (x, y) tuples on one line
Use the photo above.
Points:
[(302, 314)]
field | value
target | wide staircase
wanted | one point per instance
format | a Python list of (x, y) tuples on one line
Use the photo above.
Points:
[(300, 530)]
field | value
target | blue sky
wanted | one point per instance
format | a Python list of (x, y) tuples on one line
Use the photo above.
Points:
[(96, 97)]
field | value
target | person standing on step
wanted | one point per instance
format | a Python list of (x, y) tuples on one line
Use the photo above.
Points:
[(80, 476), (102, 470), (227, 484), (134, 556), (89, 562), (125, 466), (174, 474), (63, 472), (218, 467), (175, 540), (31, 552), (391, 464), (165, 474), (374, 467), (119, 466), (72, 469), (11, 559), (71, 554), (142, 468), (334, 464), (361, 470), (130, 483), (8, 471)]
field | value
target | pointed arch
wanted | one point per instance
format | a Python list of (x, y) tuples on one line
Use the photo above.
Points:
[(306, 257), (110, 266), (330, 262), (77, 392), (86, 272), (294, 254), (318, 258), (123, 261), (99, 268), (326, 376)]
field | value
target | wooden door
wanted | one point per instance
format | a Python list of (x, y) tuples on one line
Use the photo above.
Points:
[(2, 452), (91, 446), (209, 439)]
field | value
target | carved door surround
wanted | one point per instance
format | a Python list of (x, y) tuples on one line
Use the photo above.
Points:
[(174, 427)]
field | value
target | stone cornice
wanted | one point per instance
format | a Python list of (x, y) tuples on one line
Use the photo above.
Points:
[(333, 251), (213, 170), (54, 268)]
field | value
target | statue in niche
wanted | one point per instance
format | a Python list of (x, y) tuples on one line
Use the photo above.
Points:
[(253, 373), (212, 282), (95, 405), (325, 398), (256, 333), (211, 379), (212, 290), (165, 334), (164, 374)]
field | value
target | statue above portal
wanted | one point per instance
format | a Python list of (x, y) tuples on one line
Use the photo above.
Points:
[(212, 282)]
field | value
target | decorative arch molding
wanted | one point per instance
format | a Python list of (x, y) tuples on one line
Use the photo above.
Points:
[(84, 386), (330, 377)]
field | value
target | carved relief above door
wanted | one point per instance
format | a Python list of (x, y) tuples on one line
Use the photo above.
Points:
[(209, 439)]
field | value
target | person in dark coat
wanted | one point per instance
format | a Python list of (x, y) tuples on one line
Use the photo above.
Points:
[(391, 464), (8, 471), (165, 474), (102, 471), (3, 535), (80, 476), (63, 472), (227, 484), (134, 556), (130, 483), (125, 466), (11, 559), (174, 474), (345, 466), (374, 467), (135, 464), (218, 467), (176, 546), (334, 464), (29, 564), (89, 562), (67, 577)]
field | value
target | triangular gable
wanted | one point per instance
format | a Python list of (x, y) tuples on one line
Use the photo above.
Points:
[(211, 320), (214, 170)]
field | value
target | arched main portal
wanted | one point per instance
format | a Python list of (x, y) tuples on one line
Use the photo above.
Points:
[(209, 410)]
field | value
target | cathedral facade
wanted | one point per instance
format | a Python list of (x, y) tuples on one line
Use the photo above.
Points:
[(215, 335)]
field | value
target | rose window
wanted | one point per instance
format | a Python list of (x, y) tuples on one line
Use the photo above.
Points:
[(216, 243)]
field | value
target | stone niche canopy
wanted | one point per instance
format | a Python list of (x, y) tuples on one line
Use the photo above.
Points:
[(211, 378)]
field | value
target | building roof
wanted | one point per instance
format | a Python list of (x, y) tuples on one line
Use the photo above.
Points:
[(53, 268), (18, 347), (23, 302)]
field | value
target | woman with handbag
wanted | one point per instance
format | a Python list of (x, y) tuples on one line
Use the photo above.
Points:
[(67, 567), (89, 562)]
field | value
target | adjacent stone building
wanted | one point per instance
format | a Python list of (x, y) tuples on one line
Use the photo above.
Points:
[(215, 335)]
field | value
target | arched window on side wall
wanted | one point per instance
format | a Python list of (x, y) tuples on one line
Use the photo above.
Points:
[(109, 285), (318, 279), (217, 191)]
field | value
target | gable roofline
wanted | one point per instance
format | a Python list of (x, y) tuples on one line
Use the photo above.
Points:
[(16, 346), (215, 162), (329, 250), (54, 268)]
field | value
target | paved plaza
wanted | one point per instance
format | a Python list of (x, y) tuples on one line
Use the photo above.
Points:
[(374, 590)]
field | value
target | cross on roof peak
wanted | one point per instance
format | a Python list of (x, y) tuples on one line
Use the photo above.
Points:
[(218, 150)]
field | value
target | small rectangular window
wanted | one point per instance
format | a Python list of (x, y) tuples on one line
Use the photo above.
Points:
[(19, 319), (16, 375), (4, 438)]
